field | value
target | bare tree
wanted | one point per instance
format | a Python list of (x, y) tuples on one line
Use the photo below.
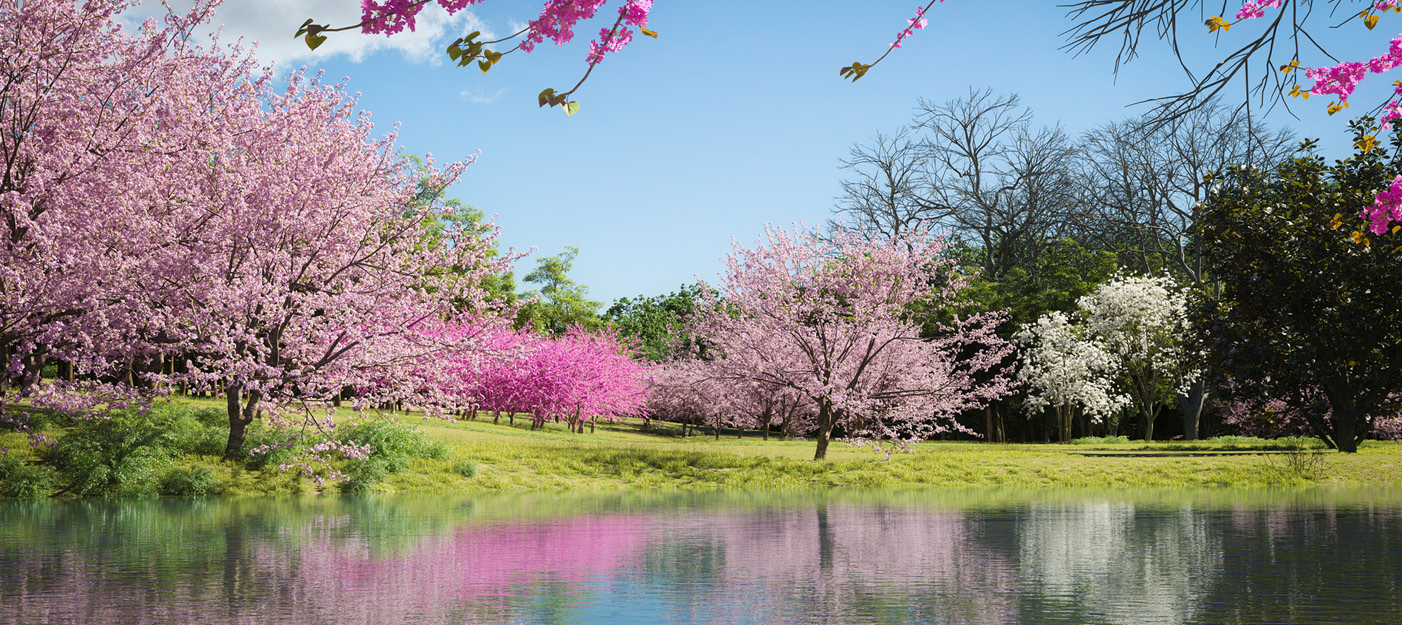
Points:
[(1145, 185), (1256, 61), (886, 194), (973, 166), (1144, 180)]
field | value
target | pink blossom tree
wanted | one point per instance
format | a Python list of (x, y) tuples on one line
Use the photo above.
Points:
[(579, 378), (95, 122), (830, 317), (300, 260)]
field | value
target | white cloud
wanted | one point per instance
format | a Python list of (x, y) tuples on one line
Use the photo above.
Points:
[(480, 97), (272, 25)]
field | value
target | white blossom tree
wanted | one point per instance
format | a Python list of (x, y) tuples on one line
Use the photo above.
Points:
[(1126, 346), (1066, 370), (1143, 322)]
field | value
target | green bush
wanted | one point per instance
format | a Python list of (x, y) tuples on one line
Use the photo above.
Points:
[(190, 482), (283, 446), (465, 468), (390, 440), (364, 476), (123, 455), (21, 480), (392, 445)]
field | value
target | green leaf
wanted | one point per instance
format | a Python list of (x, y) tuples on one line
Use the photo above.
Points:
[(546, 97), (313, 42), (303, 28), (571, 108), (484, 66), (454, 52)]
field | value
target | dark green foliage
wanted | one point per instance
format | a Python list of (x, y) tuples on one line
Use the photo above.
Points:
[(24, 481), (1307, 312), (131, 453), (190, 482), (658, 322), (123, 455), (1064, 272)]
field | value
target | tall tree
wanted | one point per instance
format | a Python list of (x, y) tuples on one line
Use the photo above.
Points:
[(94, 124), (558, 303), (658, 322), (1146, 182), (830, 319), (974, 166), (1308, 309)]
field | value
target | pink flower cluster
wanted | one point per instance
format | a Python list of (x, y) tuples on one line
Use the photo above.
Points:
[(1343, 78), (915, 23), (633, 13), (1387, 207), (1255, 8), (393, 16)]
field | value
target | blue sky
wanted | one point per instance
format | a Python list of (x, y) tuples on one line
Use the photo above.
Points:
[(733, 118)]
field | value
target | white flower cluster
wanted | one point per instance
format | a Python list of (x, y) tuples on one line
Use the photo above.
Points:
[(1131, 333), (1066, 369)]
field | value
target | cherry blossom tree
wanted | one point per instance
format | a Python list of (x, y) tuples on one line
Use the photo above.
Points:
[(300, 260), (828, 316), (96, 122), (579, 377), (170, 199), (1066, 370)]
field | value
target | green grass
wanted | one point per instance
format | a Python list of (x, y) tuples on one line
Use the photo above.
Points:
[(482, 457)]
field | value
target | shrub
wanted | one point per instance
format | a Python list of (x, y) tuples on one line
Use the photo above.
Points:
[(123, 455), (266, 446), (392, 441), (190, 482), (21, 480), (365, 476), (465, 468)]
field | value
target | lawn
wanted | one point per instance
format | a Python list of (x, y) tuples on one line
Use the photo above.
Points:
[(480, 457)]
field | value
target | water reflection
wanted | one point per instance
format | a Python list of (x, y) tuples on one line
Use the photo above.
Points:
[(966, 556)]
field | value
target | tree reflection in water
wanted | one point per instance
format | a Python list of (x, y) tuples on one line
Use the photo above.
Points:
[(938, 557)]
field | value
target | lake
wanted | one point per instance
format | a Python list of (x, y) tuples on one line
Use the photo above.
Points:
[(933, 556)]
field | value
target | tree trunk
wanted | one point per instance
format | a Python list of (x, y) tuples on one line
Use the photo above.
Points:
[(239, 418), (825, 423), (1344, 415), (717, 426), (766, 429), (1192, 407)]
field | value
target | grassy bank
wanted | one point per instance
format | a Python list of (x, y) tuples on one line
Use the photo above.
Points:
[(414, 455)]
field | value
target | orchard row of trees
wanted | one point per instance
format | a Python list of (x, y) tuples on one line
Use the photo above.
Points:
[(170, 210), (173, 215)]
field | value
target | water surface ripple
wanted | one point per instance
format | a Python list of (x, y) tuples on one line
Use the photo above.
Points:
[(944, 556)]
